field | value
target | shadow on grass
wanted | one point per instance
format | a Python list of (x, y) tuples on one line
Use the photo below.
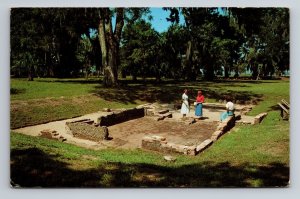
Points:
[(16, 91), (246, 81), (168, 93), (34, 168), (275, 108), (71, 80), (94, 80)]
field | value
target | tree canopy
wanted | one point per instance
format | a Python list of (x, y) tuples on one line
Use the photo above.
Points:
[(114, 42)]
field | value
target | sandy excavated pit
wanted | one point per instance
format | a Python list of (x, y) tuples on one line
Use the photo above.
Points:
[(129, 134)]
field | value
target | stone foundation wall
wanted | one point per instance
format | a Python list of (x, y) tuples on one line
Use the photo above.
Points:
[(52, 134), (160, 144), (259, 118), (116, 118), (223, 127), (87, 129)]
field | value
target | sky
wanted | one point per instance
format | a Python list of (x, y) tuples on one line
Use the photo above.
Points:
[(159, 22)]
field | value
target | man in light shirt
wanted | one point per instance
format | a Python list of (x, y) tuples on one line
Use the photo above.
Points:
[(229, 109), (230, 106)]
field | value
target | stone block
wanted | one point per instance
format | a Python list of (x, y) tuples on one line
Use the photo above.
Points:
[(88, 121), (62, 139), (259, 118), (149, 112), (168, 115), (86, 130), (157, 137), (169, 158), (148, 139), (55, 134), (163, 111), (46, 133), (107, 110), (216, 135), (159, 118), (180, 148), (166, 148), (191, 150), (148, 105), (205, 144), (148, 142), (105, 133), (221, 126)]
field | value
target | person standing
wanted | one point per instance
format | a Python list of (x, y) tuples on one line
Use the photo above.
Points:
[(199, 104), (229, 109), (185, 108)]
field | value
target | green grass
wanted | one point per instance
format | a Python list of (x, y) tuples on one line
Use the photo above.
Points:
[(33, 112), (261, 144), (248, 156), (50, 88), (45, 100)]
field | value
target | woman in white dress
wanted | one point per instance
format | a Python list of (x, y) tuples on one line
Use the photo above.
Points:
[(185, 108)]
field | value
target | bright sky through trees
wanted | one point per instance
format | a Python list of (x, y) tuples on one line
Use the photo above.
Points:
[(159, 22)]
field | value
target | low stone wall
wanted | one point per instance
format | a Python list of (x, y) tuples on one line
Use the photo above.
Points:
[(223, 127), (123, 116), (87, 129), (204, 145), (52, 134), (160, 144), (259, 118)]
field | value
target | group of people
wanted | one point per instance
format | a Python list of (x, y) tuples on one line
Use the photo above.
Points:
[(185, 107)]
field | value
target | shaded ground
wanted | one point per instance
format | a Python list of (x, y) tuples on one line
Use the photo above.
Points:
[(33, 168), (167, 93)]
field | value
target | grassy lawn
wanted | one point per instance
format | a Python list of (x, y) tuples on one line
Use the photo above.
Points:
[(248, 156), (45, 100)]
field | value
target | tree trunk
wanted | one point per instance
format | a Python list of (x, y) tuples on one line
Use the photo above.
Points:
[(109, 43), (86, 72), (134, 78), (30, 73), (209, 74), (226, 72), (255, 72), (123, 74), (188, 60), (236, 72)]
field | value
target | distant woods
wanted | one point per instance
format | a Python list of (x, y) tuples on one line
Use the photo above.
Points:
[(113, 43)]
